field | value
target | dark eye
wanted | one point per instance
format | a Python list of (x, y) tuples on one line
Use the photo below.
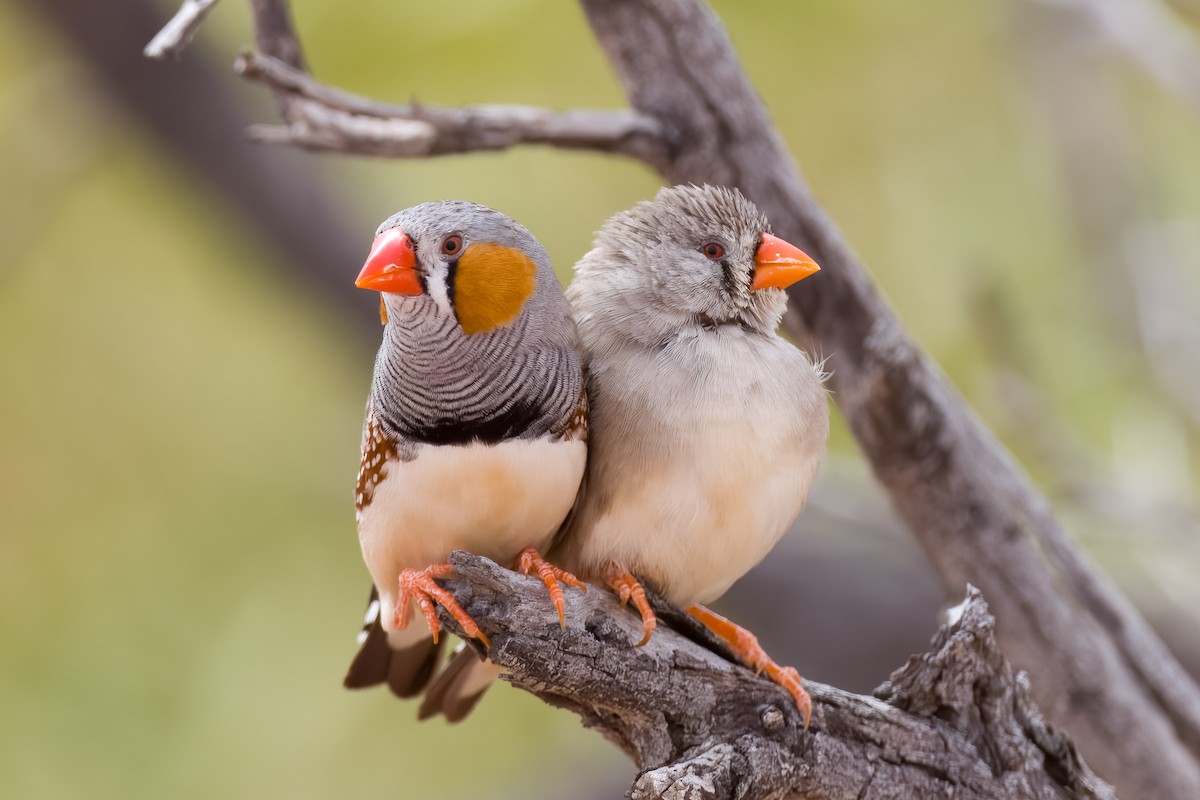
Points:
[(452, 245), (713, 250)]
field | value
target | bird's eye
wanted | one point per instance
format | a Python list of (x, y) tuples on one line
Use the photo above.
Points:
[(713, 250), (452, 245)]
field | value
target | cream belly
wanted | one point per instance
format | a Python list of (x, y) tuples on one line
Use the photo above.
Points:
[(718, 436), (491, 500), (700, 523)]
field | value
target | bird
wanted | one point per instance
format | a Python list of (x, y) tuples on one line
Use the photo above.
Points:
[(706, 427), (476, 425)]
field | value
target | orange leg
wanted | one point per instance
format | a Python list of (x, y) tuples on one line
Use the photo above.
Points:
[(419, 584), (746, 645), (528, 562), (627, 588)]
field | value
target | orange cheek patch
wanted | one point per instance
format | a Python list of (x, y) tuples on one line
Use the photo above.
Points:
[(491, 284)]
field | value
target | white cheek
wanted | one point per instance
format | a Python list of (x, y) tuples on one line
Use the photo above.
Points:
[(436, 287)]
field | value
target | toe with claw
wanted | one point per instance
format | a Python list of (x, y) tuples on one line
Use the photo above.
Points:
[(420, 585), (529, 562), (745, 645), (628, 588)]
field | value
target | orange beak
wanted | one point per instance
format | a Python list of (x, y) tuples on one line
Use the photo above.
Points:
[(779, 264), (392, 265)]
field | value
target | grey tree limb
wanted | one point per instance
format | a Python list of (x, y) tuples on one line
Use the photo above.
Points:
[(177, 34), (325, 119), (956, 721)]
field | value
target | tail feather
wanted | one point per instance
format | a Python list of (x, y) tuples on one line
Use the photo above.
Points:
[(458, 688), (406, 671)]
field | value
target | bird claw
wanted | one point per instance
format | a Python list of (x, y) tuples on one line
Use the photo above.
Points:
[(419, 585), (628, 588), (528, 562), (789, 679), (745, 645)]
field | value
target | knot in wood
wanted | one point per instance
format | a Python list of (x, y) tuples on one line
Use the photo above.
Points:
[(772, 718)]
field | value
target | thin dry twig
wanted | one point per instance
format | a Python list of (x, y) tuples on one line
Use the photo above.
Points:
[(178, 33), (325, 119)]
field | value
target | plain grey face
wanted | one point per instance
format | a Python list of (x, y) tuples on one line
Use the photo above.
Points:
[(689, 257)]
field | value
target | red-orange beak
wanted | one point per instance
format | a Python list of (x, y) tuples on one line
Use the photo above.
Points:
[(779, 264), (392, 265)]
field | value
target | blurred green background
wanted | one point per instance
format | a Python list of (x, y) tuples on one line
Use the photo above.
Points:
[(180, 402)]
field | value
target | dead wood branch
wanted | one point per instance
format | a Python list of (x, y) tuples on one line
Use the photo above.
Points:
[(325, 119), (178, 33), (956, 721)]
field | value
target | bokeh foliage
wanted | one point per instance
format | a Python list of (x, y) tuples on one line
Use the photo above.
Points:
[(180, 581)]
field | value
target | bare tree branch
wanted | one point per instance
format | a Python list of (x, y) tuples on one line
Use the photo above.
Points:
[(178, 33), (274, 33), (1149, 34), (322, 118), (953, 722)]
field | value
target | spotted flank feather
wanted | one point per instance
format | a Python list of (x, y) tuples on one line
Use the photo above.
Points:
[(576, 428), (377, 451)]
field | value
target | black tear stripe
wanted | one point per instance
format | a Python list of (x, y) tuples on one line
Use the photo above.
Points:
[(727, 278), (422, 279), (451, 272)]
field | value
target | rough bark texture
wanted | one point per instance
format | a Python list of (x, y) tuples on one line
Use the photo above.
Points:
[(954, 722), (1098, 669)]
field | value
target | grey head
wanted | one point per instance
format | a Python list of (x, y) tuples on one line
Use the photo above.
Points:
[(477, 266), (479, 343), (686, 259)]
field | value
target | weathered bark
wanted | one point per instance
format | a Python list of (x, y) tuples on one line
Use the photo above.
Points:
[(954, 722)]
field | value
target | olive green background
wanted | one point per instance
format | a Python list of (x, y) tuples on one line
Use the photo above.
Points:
[(180, 580)]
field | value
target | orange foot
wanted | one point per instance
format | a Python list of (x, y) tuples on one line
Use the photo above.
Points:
[(745, 645), (419, 584), (528, 561), (627, 588)]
